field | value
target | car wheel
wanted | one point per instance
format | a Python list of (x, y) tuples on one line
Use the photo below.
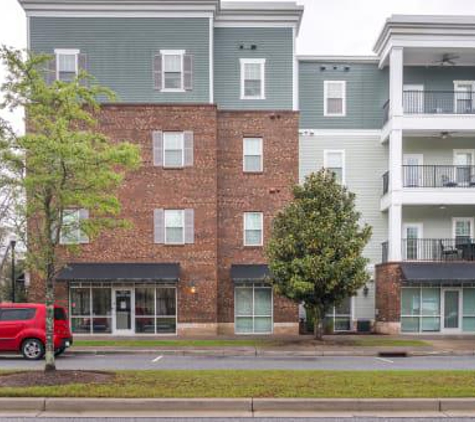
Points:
[(32, 349), (59, 351)]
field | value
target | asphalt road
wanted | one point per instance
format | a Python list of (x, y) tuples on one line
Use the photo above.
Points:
[(324, 419), (156, 361)]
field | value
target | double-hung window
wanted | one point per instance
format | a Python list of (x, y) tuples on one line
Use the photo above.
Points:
[(67, 66), (253, 228), (174, 227), (252, 155), (253, 79), (71, 232), (173, 149), (334, 161), (334, 93), (172, 65)]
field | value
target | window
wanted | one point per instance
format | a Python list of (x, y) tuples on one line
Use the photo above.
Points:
[(334, 93), (71, 232), (252, 155), (334, 161), (420, 310), (462, 230), (253, 228), (468, 322), (91, 310), (173, 149), (340, 317), (66, 64), (155, 310), (253, 309), (464, 96), (172, 62), (17, 314), (253, 79), (174, 227)]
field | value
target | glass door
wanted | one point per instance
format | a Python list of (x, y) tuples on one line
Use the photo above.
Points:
[(451, 309), (413, 170), (463, 161), (413, 99), (412, 238), (123, 315)]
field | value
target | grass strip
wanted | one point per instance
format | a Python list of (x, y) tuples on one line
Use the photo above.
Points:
[(263, 383), (172, 343)]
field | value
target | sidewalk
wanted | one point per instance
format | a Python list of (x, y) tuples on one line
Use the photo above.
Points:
[(335, 345)]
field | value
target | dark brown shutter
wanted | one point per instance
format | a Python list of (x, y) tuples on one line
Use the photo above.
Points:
[(188, 72), (157, 71)]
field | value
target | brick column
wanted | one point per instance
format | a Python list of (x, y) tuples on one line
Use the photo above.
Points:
[(388, 279)]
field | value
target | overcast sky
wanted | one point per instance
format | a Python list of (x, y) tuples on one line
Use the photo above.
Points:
[(328, 27)]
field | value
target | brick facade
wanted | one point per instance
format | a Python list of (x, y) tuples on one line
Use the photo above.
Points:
[(388, 279), (215, 187)]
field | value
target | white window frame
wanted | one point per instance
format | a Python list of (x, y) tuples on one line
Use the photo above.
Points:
[(262, 63), (455, 220), (333, 315), (326, 152), (182, 242), (182, 143), (420, 235), (325, 98), (70, 52), (180, 53), (456, 89), (261, 214), (254, 316), (244, 155)]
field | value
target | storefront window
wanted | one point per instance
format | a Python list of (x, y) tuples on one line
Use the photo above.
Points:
[(420, 310), (102, 310), (339, 319), (91, 310), (468, 323), (253, 310), (155, 310)]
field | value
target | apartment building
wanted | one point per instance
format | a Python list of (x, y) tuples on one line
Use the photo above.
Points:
[(228, 118)]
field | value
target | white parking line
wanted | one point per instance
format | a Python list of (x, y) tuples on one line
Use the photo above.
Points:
[(157, 358), (385, 360)]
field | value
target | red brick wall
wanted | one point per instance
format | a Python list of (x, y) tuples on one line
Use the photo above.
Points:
[(239, 192), (388, 280), (215, 187)]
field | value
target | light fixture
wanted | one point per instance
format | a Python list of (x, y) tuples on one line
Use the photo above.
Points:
[(192, 288), (442, 207)]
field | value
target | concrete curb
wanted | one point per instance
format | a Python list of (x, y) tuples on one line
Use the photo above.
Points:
[(269, 353), (245, 406)]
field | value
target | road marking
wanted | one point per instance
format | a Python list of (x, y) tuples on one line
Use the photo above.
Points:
[(385, 360), (157, 358)]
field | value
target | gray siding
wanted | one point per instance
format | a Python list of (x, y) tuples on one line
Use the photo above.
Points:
[(273, 44), (436, 151), (437, 78), (437, 223), (366, 93), (119, 51), (365, 162)]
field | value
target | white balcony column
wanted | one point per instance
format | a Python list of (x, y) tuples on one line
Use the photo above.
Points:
[(396, 69), (395, 232), (395, 160)]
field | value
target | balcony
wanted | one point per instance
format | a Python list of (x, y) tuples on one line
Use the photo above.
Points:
[(460, 249), (435, 102), (438, 176)]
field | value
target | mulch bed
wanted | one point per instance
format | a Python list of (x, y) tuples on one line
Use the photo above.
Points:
[(53, 378)]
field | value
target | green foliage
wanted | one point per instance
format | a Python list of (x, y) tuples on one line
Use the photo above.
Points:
[(315, 253)]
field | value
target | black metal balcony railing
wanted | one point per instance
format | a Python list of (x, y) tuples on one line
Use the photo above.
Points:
[(385, 183), (438, 102), (435, 176), (461, 248)]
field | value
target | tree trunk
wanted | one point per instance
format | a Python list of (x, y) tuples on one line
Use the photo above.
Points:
[(49, 356), (318, 328)]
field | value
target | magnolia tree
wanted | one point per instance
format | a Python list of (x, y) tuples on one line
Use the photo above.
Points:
[(63, 163), (315, 252)]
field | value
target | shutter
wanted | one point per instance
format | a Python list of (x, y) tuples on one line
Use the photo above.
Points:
[(83, 215), (188, 145), (157, 71), (188, 72), (189, 225), (82, 66), (50, 71), (159, 226), (157, 137)]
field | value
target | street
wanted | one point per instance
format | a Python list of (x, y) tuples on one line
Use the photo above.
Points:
[(219, 419), (145, 361)]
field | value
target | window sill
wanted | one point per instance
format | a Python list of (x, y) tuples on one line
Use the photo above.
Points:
[(253, 98), (253, 246), (172, 90), (173, 167), (253, 172)]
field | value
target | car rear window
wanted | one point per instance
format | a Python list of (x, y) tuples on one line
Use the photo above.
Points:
[(17, 314), (59, 314)]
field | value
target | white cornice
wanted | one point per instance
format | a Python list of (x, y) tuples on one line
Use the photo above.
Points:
[(338, 59)]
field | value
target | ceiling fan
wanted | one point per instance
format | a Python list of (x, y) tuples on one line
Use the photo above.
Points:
[(447, 60), (446, 134)]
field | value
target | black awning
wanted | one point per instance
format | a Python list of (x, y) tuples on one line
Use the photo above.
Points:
[(120, 272), (438, 271), (249, 273)]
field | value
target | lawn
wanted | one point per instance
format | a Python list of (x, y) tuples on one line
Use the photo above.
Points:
[(229, 383), (389, 342), (173, 343)]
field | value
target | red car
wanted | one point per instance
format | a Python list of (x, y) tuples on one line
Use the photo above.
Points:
[(23, 329)]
